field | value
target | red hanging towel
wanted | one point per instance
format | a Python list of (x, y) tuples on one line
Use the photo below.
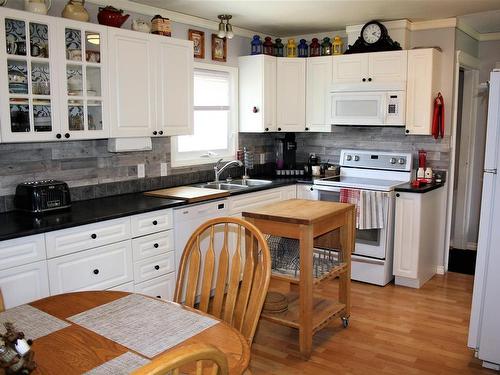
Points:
[(438, 117)]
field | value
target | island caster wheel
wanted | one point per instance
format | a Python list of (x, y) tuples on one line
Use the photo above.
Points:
[(345, 321)]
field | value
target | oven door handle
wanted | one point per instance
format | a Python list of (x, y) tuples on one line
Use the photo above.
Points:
[(357, 258), (334, 189)]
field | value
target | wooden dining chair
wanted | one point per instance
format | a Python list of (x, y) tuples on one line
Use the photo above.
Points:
[(2, 305), (234, 290), (205, 359)]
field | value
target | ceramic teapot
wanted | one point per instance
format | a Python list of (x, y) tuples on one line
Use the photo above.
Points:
[(37, 6), (110, 16), (141, 25), (75, 10)]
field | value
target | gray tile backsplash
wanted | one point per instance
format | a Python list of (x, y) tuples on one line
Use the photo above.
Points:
[(92, 172)]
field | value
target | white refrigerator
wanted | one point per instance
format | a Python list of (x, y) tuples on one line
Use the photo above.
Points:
[(484, 329)]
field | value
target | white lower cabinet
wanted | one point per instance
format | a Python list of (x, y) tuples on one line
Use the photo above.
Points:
[(21, 251), (24, 284), (418, 236), (240, 203), (307, 191), (160, 287), (127, 287), (95, 269), (155, 266)]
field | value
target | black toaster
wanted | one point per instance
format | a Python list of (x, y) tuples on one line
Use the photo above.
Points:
[(42, 196)]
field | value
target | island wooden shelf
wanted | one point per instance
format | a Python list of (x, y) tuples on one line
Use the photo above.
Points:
[(306, 221)]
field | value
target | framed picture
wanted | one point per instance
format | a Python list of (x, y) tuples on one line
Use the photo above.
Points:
[(198, 38), (219, 48)]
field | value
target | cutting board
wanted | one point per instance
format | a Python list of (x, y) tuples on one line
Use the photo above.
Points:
[(190, 194)]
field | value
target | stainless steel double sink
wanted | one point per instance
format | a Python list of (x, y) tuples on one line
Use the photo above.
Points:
[(234, 184)]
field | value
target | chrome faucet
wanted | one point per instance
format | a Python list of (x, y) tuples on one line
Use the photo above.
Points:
[(218, 170)]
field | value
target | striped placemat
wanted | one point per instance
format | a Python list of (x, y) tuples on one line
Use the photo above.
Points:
[(121, 365), (32, 322), (145, 325)]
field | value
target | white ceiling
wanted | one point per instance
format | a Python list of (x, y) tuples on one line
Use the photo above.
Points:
[(284, 17), (485, 22)]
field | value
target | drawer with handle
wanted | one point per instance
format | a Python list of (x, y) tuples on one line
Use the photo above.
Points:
[(151, 222), (155, 266), (71, 240), (95, 269), (160, 287), (152, 244)]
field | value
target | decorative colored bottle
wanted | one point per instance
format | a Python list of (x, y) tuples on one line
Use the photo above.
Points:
[(302, 48), (291, 48), (268, 46), (279, 48), (256, 45), (314, 48), (326, 47), (337, 45)]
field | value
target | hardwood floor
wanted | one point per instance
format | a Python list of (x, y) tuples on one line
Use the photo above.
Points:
[(393, 330)]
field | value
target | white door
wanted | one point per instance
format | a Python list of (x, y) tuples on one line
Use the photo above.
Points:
[(28, 77), (24, 284), (269, 90), (319, 73), (350, 68), (387, 67), (132, 84), (175, 86), (83, 57), (406, 235), (291, 94)]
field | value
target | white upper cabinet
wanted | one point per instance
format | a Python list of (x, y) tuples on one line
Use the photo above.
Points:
[(257, 96), (175, 86), (151, 83), (83, 57), (370, 68), (28, 77), (132, 83), (291, 94), (424, 82), (318, 81)]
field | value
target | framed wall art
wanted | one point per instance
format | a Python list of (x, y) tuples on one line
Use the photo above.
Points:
[(198, 38), (219, 48)]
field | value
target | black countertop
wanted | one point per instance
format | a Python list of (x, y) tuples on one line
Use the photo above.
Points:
[(18, 224), (407, 188)]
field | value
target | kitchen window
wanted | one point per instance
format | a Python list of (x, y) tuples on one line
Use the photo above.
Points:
[(215, 118)]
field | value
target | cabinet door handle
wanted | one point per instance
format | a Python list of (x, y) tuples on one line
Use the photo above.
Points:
[(160, 132), (58, 135), (266, 129), (255, 110), (96, 271), (279, 129), (157, 267), (156, 246), (369, 79), (398, 195), (312, 189), (307, 129), (407, 131), (364, 79), (155, 222), (67, 135), (158, 296), (155, 132), (93, 236)]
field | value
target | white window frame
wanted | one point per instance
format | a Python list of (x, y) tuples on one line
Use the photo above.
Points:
[(204, 157)]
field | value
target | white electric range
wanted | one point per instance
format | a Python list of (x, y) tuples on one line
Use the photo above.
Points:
[(374, 171)]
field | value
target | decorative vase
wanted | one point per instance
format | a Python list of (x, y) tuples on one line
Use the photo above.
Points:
[(141, 26), (75, 10), (161, 26), (337, 45)]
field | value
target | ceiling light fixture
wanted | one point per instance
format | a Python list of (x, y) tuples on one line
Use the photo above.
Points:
[(225, 28)]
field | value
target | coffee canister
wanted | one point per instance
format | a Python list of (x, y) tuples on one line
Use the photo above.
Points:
[(161, 26)]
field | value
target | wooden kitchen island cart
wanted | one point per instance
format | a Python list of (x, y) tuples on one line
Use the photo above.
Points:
[(305, 221)]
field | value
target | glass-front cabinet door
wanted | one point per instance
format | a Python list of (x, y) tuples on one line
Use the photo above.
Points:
[(83, 87), (28, 78)]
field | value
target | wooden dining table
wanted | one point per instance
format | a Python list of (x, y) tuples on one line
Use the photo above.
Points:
[(76, 350)]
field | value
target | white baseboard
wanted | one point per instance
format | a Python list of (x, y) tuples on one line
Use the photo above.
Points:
[(440, 270)]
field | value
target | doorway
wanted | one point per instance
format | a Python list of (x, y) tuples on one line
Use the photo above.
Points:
[(467, 159)]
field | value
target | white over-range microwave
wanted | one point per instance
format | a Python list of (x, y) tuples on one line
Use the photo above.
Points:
[(376, 106)]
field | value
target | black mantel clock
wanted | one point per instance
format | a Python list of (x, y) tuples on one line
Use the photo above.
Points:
[(373, 38)]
